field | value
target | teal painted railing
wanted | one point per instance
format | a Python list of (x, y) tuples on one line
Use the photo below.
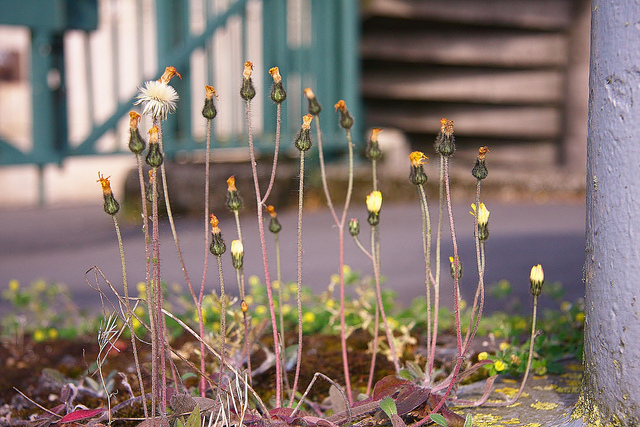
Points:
[(313, 42)]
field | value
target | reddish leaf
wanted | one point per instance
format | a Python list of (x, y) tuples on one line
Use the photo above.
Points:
[(81, 414), (387, 386)]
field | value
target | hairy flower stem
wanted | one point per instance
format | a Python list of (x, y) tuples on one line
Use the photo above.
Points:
[(456, 290), (376, 274), (223, 320), (263, 246), (478, 299), (275, 153), (432, 328), (198, 300), (240, 280), (299, 287), (432, 355), (145, 227), (128, 314), (157, 338), (340, 223), (526, 372)]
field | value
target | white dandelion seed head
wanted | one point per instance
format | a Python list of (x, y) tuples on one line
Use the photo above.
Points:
[(158, 99)]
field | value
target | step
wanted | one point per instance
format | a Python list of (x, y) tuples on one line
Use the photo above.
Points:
[(486, 121), (489, 47), (466, 85), (545, 15)]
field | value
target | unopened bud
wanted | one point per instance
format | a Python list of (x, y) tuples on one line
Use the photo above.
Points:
[(373, 148), (234, 201), (237, 254), (536, 277), (209, 110), (217, 246), (247, 91), (417, 175), (302, 140), (445, 142), (346, 121), (479, 170), (354, 227), (274, 224), (278, 94), (111, 206), (314, 105), (154, 155), (136, 143)]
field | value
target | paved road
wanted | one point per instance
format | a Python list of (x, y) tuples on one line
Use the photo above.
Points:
[(60, 244)]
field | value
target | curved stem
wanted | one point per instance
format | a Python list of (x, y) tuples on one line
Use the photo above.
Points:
[(299, 288), (265, 263), (275, 153)]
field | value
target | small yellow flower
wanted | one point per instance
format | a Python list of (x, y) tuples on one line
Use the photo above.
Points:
[(483, 356), (309, 93), (341, 105), (275, 74), (210, 92), (293, 287), (104, 182), (565, 306), (261, 310), (142, 287), (580, 317), (309, 317), (231, 183), (254, 280), (331, 303), (39, 335), (374, 202), (346, 269), (499, 365), (248, 70), (249, 299), (14, 285), (306, 121), (286, 309), (52, 333), (504, 346), (483, 213), (446, 126), (418, 158)]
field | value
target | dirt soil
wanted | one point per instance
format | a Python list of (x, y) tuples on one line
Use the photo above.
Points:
[(40, 370)]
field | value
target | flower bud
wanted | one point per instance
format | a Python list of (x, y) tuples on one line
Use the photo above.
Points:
[(483, 220), (247, 91), (354, 227), (110, 206), (244, 306), (479, 170), (536, 277), (237, 254), (209, 110), (274, 224), (373, 148), (217, 246), (234, 202), (346, 121), (149, 193), (314, 105), (278, 94), (374, 204), (452, 265), (445, 142), (303, 138), (136, 143), (154, 155), (417, 175)]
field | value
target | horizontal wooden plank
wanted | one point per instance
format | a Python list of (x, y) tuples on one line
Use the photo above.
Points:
[(474, 86), (470, 120), (460, 47), (533, 14)]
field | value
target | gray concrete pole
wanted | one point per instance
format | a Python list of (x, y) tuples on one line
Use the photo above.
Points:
[(611, 384)]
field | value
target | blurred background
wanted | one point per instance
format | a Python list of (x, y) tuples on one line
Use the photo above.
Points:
[(512, 74)]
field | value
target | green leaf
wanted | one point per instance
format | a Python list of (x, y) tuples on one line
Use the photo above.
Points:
[(439, 419), (388, 406), (194, 419), (468, 422)]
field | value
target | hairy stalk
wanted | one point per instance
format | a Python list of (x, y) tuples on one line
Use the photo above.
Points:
[(223, 319), (376, 275), (456, 290), (265, 262), (241, 289), (340, 223), (198, 301), (374, 348), (436, 288), (299, 287), (426, 246), (157, 337), (478, 300), (275, 153), (127, 315), (526, 372)]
